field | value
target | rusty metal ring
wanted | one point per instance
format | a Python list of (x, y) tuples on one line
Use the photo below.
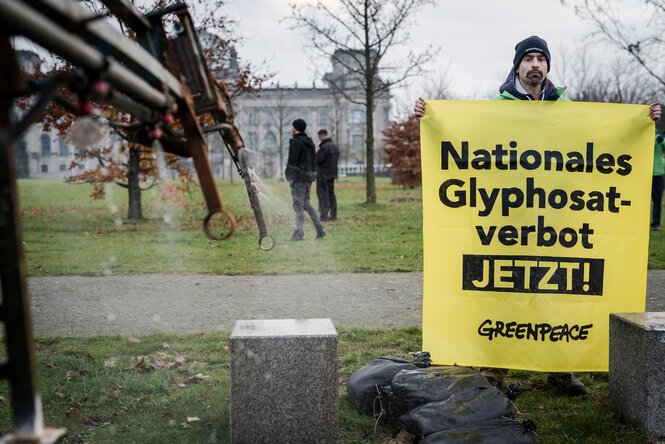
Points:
[(262, 238), (206, 221)]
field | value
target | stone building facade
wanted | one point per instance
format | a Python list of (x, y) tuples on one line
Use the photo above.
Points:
[(265, 118)]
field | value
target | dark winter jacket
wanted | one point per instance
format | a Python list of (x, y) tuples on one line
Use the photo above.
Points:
[(326, 160), (509, 92), (301, 167)]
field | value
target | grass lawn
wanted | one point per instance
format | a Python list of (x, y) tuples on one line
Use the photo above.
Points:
[(111, 389), (66, 232), (175, 389)]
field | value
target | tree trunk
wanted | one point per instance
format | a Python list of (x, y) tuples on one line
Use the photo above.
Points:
[(369, 149), (133, 185)]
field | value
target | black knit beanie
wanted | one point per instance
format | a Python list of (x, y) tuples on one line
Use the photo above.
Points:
[(531, 44), (300, 125)]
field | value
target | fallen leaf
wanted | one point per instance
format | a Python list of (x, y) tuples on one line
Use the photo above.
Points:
[(69, 413), (403, 437), (165, 345), (184, 425), (143, 398), (134, 340), (115, 399), (156, 363), (141, 367), (226, 347), (181, 385), (3, 399), (180, 357), (196, 378), (192, 419), (175, 365), (56, 388), (71, 374), (109, 363), (51, 365), (96, 422), (162, 355)]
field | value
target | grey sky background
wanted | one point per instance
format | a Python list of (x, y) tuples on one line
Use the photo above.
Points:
[(476, 40)]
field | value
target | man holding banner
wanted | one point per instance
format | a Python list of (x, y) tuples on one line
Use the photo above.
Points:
[(530, 226)]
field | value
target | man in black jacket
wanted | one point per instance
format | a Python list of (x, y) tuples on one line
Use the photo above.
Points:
[(326, 173), (301, 171)]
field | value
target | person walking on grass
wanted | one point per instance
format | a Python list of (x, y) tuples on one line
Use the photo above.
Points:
[(301, 172)]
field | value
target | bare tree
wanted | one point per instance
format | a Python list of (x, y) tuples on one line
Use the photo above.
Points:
[(357, 35), (594, 76), (643, 41), (279, 122)]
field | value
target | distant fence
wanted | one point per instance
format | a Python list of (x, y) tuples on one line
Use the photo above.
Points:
[(360, 168)]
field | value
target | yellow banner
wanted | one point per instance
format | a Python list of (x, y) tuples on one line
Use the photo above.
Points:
[(535, 228)]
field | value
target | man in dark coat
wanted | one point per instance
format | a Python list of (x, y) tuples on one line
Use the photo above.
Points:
[(326, 172), (300, 172)]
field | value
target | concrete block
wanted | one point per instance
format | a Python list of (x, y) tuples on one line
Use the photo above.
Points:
[(284, 386), (637, 368)]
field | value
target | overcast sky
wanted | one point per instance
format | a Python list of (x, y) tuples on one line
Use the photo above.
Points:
[(476, 39)]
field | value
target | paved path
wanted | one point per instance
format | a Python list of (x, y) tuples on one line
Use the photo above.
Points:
[(81, 306)]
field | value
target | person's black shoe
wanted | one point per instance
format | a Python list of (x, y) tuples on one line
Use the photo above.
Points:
[(297, 236), (493, 382), (567, 384)]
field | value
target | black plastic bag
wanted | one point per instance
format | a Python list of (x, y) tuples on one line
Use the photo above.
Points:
[(412, 388), (496, 431), (462, 408), (373, 380)]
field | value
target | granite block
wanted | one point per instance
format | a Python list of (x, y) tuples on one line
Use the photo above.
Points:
[(284, 386), (637, 368)]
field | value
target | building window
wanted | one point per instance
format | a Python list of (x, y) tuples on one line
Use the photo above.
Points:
[(323, 118), (63, 167), (357, 141), (252, 141), (44, 168), (46, 145), (64, 149), (357, 116), (270, 143), (253, 120), (270, 118)]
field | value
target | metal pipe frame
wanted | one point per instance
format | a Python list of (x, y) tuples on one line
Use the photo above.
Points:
[(70, 14), (17, 15)]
